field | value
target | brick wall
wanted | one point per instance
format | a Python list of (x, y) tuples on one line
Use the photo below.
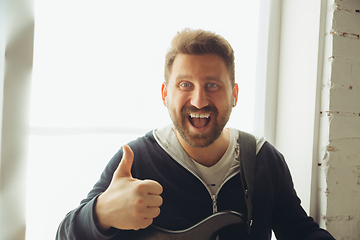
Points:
[(339, 138)]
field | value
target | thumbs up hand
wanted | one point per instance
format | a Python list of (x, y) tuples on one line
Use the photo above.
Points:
[(128, 203)]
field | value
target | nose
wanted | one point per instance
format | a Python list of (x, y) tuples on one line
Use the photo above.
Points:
[(199, 98)]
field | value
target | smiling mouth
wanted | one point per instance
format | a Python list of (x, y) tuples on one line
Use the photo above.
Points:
[(199, 120)]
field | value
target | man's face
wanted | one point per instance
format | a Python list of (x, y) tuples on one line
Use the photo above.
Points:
[(199, 97)]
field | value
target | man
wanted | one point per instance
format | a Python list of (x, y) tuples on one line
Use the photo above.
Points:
[(176, 176)]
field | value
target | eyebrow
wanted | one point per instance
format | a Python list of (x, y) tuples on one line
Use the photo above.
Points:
[(183, 76), (211, 78), (216, 79)]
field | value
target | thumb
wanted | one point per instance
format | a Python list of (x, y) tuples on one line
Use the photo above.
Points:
[(124, 168)]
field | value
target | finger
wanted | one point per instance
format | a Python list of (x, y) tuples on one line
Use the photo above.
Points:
[(154, 201), (144, 223), (124, 168), (152, 212), (153, 187)]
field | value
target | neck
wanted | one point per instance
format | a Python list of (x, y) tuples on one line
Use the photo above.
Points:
[(210, 155)]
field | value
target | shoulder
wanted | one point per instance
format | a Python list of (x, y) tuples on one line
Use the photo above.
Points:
[(270, 157), (260, 141)]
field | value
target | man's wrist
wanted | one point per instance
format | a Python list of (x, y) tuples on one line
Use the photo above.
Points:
[(103, 228)]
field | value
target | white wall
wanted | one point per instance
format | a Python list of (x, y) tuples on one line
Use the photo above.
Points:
[(339, 137)]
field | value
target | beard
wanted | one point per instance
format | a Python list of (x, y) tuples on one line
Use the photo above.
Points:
[(200, 140)]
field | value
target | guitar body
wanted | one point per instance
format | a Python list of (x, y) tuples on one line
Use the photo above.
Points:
[(204, 230)]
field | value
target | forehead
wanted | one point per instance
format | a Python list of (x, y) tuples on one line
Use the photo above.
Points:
[(207, 66)]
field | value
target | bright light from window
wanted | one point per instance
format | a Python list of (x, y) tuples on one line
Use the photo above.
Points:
[(99, 64)]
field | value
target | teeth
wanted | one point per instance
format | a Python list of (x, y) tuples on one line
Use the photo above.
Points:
[(194, 115)]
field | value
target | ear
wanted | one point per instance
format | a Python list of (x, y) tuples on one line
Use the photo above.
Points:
[(235, 93), (163, 93)]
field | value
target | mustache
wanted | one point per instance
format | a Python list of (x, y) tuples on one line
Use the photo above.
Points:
[(190, 109)]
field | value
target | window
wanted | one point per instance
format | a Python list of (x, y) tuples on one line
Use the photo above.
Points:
[(98, 69)]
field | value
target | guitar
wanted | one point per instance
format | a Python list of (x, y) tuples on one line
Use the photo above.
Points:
[(207, 229)]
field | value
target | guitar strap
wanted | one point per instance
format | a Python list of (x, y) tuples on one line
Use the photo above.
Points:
[(247, 143)]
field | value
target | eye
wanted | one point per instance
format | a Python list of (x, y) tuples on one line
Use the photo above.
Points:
[(185, 85), (212, 86)]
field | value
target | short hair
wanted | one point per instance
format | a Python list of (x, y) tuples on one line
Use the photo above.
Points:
[(199, 42)]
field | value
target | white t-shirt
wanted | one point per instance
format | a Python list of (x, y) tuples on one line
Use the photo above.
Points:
[(214, 176)]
